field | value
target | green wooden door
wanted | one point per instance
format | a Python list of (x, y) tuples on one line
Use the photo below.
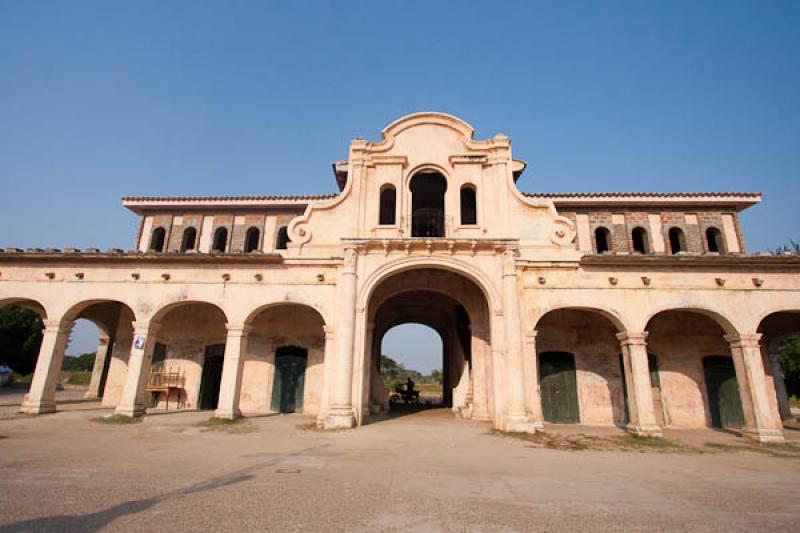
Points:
[(212, 376), (724, 401), (288, 386), (558, 386)]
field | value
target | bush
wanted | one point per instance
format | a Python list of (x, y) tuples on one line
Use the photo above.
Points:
[(79, 378), (20, 338)]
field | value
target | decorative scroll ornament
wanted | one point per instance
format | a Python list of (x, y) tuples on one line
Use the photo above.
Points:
[(563, 231)]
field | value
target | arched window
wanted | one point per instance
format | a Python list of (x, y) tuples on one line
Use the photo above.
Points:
[(714, 240), (388, 207), (189, 239), (251, 240), (427, 204), (220, 240), (469, 206), (639, 238), (677, 241), (157, 240), (283, 238), (602, 238)]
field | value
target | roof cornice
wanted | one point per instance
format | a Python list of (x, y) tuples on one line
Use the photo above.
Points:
[(141, 204), (789, 262), (735, 200)]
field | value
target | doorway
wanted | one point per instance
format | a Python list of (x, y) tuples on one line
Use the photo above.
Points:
[(559, 388), (724, 402), (290, 373), (427, 204), (212, 376)]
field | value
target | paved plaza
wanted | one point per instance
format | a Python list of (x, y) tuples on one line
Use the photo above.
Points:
[(425, 471)]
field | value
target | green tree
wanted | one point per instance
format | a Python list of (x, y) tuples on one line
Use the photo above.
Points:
[(436, 376), (789, 353), (79, 363), (793, 246), (20, 338)]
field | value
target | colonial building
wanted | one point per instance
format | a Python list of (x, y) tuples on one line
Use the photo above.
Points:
[(635, 309)]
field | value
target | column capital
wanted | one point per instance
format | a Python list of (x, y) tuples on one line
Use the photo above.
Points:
[(633, 338), (141, 327), (55, 326), (329, 332), (235, 330), (743, 340)]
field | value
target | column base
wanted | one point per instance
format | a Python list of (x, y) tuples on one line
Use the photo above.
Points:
[(518, 424), (643, 431), (763, 435), (90, 395), (227, 414), (131, 412), (339, 418), (30, 407)]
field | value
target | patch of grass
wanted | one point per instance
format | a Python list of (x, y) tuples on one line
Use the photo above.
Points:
[(772, 449), (237, 425), (582, 442), (19, 378), (79, 378), (117, 420), (794, 401)]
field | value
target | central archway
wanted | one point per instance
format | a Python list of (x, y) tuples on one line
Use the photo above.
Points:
[(457, 309)]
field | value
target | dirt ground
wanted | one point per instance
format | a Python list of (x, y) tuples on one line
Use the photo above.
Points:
[(424, 471)]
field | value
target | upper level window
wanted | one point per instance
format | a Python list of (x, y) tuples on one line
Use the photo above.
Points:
[(189, 239), (427, 204), (639, 238), (251, 240), (157, 240), (714, 240), (602, 238), (469, 206), (388, 207), (677, 241), (283, 238), (220, 240)]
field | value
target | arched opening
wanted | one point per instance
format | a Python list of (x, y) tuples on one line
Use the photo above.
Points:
[(388, 206), (677, 240), (580, 376), (282, 242), (220, 243), (189, 239), (87, 341), (427, 204), (714, 241), (428, 300), (469, 206), (414, 352), (157, 239), (602, 240), (284, 365), (251, 240), (780, 348), (20, 336), (639, 238), (694, 368), (186, 367)]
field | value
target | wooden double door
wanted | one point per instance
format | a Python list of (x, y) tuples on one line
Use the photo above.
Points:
[(724, 402), (558, 387), (288, 387)]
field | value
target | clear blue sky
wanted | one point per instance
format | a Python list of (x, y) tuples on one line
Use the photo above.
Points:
[(108, 98)]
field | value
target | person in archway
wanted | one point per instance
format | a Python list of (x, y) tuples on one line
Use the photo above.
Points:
[(409, 390)]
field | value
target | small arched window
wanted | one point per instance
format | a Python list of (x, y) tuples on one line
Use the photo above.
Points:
[(220, 240), (388, 207), (602, 238), (283, 238), (677, 241), (189, 239), (639, 238), (157, 240), (251, 240), (714, 241), (469, 206)]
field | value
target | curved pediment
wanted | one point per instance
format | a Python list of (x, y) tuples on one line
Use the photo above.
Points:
[(428, 118)]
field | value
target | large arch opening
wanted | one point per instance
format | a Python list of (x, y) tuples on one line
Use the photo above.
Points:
[(414, 352), (283, 361), (780, 349), (21, 323), (455, 308), (427, 204)]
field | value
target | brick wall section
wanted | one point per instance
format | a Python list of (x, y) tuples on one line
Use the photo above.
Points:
[(194, 220), (621, 234), (739, 234), (240, 231), (223, 221)]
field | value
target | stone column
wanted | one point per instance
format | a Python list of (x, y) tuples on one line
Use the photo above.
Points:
[(341, 410), (42, 394), (779, 378), (97, 370), (533, 400), (480, 383), (637, 379), (328, 364), (761, 424), (134, 400), (516, 419), (232, 366)]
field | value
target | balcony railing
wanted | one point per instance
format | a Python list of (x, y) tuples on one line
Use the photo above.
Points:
[(428, 222)]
